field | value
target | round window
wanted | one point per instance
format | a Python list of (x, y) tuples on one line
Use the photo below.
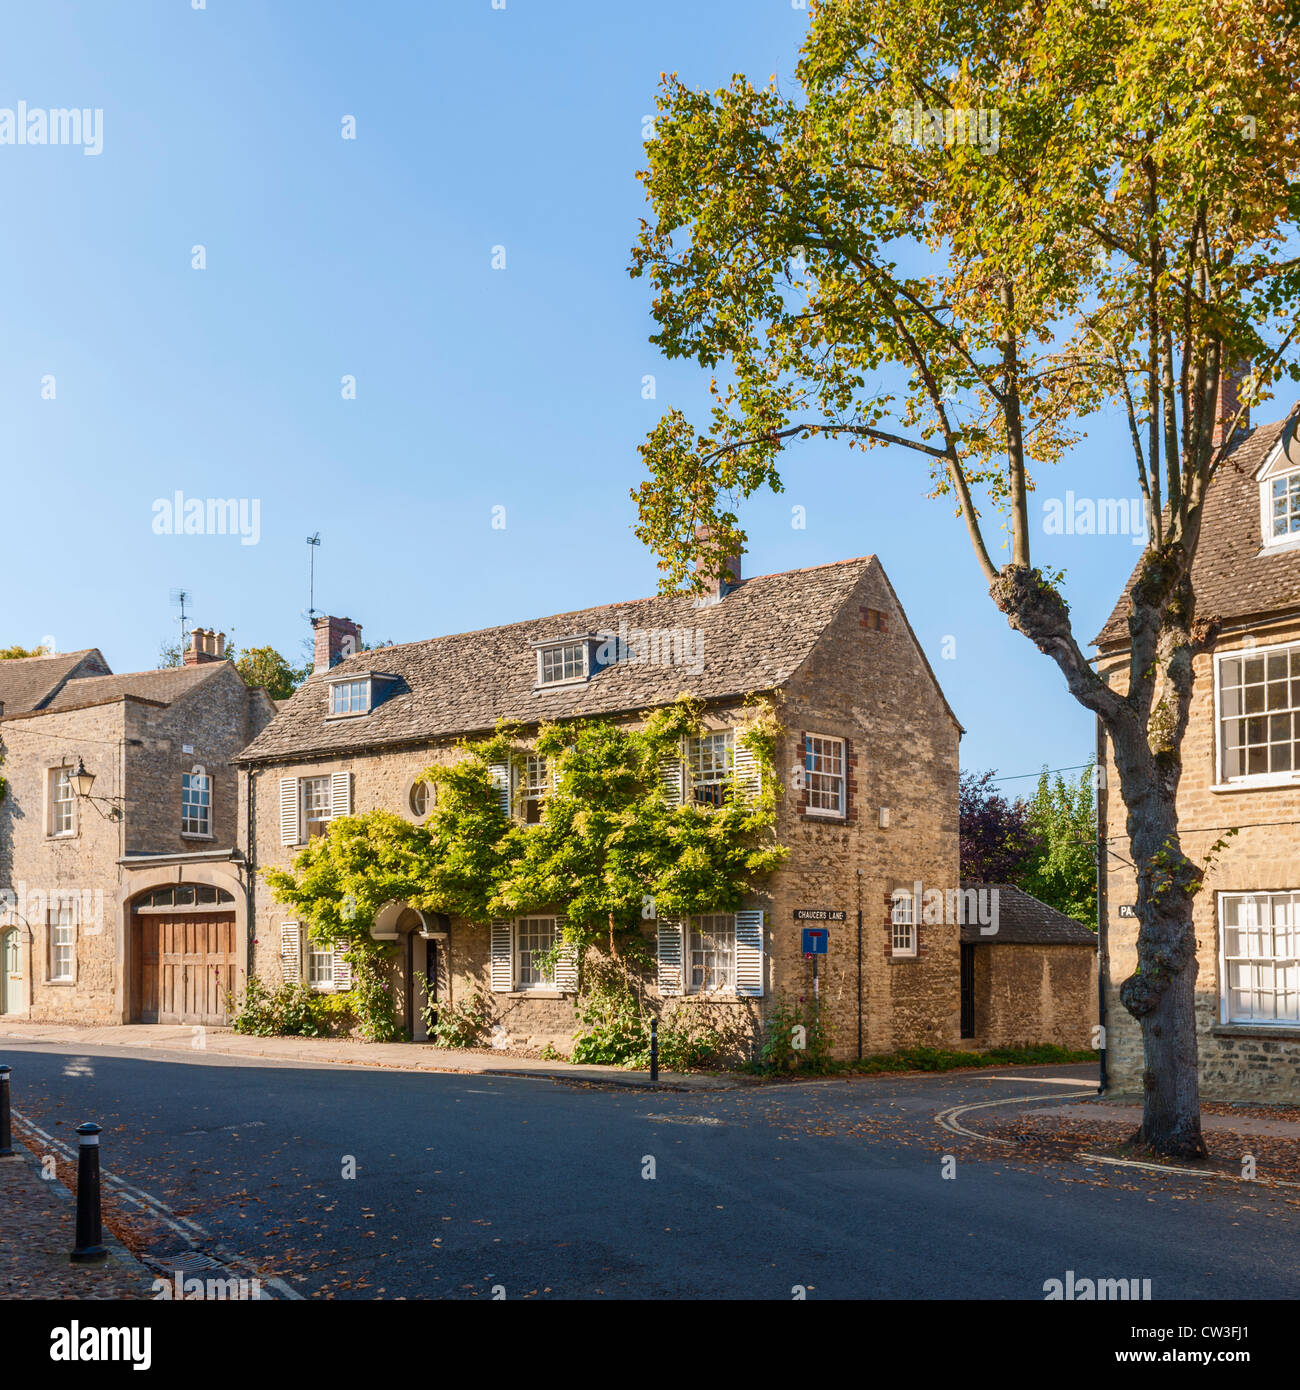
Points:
[(421, 798)]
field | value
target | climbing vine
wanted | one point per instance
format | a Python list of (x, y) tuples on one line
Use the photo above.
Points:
[(612, 849)]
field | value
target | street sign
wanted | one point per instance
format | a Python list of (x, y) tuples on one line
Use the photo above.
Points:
[(819, 914), (815, 941), (1128, 910)]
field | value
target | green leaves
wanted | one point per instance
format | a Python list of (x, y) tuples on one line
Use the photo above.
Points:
[(610, 849)]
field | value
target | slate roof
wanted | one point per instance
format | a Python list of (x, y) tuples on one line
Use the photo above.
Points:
[(1230, 577), (161, 687), (1024, 921), (28, 682), (754, 639)]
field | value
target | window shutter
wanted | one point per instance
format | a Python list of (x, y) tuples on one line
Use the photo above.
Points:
[(670, 956), (290, 952), (342, 970), (749, 779), (670, 774), (499, 776), (503, 965), (749, 954), (566, 967), (341, 794), (289, 834)]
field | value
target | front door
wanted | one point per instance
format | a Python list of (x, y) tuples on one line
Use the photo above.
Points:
[(11, 973)]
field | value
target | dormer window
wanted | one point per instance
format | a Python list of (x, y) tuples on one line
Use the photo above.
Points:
[(567, 663), (568, 660), (1284, 509), (350, 697), (1279, 496)]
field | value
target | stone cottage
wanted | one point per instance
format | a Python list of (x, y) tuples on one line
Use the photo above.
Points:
[(870, 744), (123, 895), (1241, 768)]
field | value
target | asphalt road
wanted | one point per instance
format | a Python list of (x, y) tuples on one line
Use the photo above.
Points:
[(470, 1186)]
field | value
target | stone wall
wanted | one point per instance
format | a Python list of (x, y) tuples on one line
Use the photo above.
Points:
[(1026, 995), (1238, 1061)]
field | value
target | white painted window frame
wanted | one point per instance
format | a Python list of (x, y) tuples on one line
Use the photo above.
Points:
[(304, 783), (902, 942), (1225, 961), (826, 812), (60, 777), (695, 930), (517, 953), (1246, 780), (198, 783), (558, 650), (698, 776), (56, 924), (362, 704)]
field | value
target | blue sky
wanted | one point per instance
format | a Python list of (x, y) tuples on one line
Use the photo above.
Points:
[(475, 388)]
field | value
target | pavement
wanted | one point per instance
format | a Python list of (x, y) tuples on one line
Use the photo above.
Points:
[(345, 1183), (352, 1052), (1131, 1114), (38, 1235)]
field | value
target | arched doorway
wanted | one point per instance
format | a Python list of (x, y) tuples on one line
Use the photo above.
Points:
[(419, 977), (11, 971), (183, 955)]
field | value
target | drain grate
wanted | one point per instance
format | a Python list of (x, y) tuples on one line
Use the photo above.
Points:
[(183, 1262)]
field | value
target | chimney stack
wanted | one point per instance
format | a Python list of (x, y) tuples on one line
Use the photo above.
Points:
[(205, 645), (1228, 401), (336, 640), (717, 586)]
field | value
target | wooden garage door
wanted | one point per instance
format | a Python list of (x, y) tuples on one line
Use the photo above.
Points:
[(184, 967)]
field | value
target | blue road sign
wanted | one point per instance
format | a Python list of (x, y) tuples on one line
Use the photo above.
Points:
[(815, 940)]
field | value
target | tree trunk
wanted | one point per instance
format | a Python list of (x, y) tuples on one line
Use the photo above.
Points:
[(1161, 993), (1146, 727)]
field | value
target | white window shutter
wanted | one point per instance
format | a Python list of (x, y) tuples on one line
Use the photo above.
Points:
[(566, 966), (499, 776), (503, 962), (749, 954), (749, 779), (289, 834), (670, 956), (290, 952), (342, 970), (340, 794), (670, 774)]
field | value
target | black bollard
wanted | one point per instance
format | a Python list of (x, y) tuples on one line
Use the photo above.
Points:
[(6, 1143), (90, 1233), (654, 1050)]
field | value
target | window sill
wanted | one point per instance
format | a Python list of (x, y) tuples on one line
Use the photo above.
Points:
[(1287, 1032), (1279, 547), (61, 835), (537, 994), (561, 685), (351, 714), (835, 817), (1260, 783), (61, 984), (195, 835)]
